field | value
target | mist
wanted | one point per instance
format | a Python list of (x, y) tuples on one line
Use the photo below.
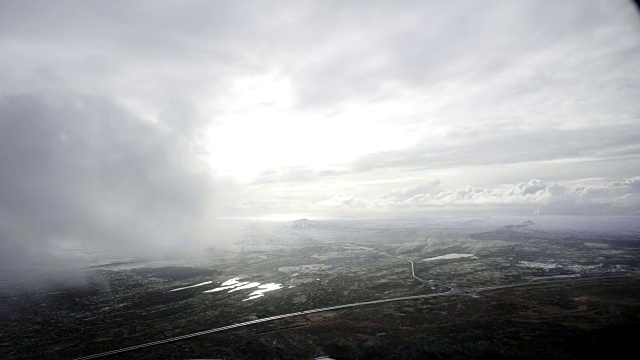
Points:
[(82, 179)]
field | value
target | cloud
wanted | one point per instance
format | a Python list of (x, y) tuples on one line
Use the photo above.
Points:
[(618, 193), (586, 195), (466, 83), (295, 174), (482, 56), (531, 188), (344, 201), (83, 173), (591, 195), (510, 146), (401, 194)]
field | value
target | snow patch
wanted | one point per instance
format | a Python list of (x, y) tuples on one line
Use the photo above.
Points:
[(229, 284), (539, 265), (451, 256), (246, 286), (263, 289)]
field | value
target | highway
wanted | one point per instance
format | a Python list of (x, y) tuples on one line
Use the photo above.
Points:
[(452, 292), (257, 321), (474, 291)]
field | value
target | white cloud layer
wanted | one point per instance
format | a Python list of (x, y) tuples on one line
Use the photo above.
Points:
[(616, 193), (621, 196), (588, 196)]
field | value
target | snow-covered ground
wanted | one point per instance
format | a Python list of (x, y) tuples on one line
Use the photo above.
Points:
[(234, 285)]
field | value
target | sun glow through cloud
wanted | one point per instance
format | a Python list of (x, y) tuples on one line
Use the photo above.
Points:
[(261, 128)]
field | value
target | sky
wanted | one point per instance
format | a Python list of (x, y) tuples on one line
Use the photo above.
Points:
[(135, 125)]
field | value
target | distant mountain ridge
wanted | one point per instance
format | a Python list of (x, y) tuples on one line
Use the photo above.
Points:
[(303, 224), (524, 224)]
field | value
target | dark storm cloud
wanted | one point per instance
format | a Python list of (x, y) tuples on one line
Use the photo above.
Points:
[(83, 172)]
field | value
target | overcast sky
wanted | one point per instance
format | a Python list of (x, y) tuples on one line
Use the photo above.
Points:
[(136, 123)]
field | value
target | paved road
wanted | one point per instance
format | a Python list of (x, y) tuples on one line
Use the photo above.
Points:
[(474, 291), (452, 292), (272, 318), (413, 273)]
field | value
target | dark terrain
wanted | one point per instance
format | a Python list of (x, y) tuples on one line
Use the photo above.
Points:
[(582, 295)]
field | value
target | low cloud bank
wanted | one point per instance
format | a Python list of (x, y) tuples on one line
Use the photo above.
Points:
[(617, 196), (81, 175), (595, 196)]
